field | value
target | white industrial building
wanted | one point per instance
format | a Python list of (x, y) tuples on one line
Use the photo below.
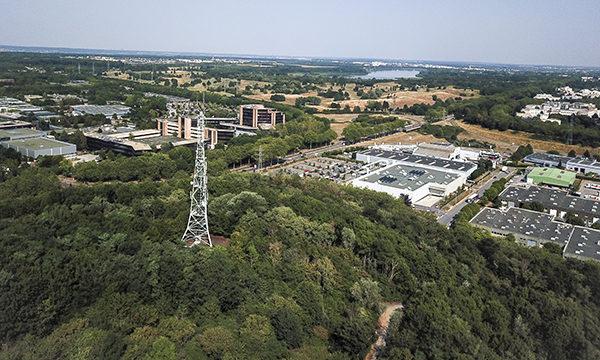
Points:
[(413, 182), (442, 151), (437, 150), (108, 111), (12, 105), (568, 93), (35, 147), (548, 97), (413, 176), (33, 143), (462, 168), (584, 166)]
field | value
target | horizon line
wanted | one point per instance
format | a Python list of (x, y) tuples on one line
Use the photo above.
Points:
[(290, 57)]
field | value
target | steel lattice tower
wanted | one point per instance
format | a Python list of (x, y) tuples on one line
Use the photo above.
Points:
[(196, 232)]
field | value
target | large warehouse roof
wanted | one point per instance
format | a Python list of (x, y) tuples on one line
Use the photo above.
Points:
[(552, 176), (106, 110), (551, 199), (579, 162), (19, 133), (547, 159), (34, 147), (585, 243), (420, 160), (409, 177), (524, 222), (578, 241), (38, 143)]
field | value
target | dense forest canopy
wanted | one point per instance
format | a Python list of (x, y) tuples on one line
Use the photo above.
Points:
[(97, 270)]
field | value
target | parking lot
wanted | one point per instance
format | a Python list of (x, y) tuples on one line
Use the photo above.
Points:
[(327, 168), (590, 189)]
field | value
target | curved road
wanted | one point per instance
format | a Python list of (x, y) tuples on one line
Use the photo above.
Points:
[(447, 218)]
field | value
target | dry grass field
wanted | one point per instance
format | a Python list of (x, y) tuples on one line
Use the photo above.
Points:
[(398, 99), (117, 74), (290, 99), (391, 93), (339, 121), (409, 138), (508, 141)]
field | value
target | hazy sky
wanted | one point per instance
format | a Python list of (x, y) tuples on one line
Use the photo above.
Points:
[(509, 31)]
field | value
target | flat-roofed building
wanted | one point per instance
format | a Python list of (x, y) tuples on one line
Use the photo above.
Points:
[(108, 111), (46, 115), (438, 150), (12, 105), (170, 98), (551, 176), (584, 166), (584, 244), (547, 160), (555, 202), (19, 133), (133, 142), (413, 182), (529, 227), (462, 168), (15, 124), (259, 116), (40, 146), (533, 228)]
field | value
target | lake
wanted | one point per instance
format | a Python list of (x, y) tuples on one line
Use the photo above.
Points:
[(389, 74)]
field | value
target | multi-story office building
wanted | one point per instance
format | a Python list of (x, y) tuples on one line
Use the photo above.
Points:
[(217, 130), (133, 142), (256, 115)]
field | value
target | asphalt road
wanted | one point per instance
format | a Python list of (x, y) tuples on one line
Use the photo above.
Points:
[(446, 219), (310, 153)]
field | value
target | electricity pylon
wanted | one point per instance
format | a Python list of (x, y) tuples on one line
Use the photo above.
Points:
[(196, 232), (260, 158)]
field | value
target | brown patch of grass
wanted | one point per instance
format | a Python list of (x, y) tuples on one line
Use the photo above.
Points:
[(409, 138), (339, 121), (508, 141)]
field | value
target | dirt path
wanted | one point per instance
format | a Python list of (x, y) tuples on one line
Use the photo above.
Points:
[(66, 181), (383, 323)]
